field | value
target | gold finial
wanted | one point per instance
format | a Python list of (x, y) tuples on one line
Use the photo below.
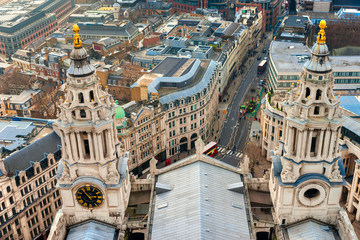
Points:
[(77, 41), (321, 35)]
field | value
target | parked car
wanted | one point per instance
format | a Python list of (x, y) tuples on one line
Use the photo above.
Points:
[(259, 57), (264, 50)]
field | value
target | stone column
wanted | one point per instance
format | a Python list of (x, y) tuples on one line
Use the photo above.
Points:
[(68, 143), (63, 146), (110, 143), (114, 135), (291, 140), (96, 146), (299, 143), (303, 149), (337, 140), (284, 131), (91, 146), (74, 146), (79, 141), (332, 142), (100, 144), (326, 144), (321, 140), (308, 151)]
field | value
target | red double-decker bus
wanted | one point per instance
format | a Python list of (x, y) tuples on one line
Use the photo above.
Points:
[(261, 67), (211, 149)]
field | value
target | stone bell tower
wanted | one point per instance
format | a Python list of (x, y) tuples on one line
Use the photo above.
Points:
[(307, 173), (92, 175)]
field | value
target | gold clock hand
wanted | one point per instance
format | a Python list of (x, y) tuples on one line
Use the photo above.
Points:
[(87, 195)]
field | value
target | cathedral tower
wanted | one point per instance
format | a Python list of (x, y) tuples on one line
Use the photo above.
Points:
[(92, 175), (307, 173)]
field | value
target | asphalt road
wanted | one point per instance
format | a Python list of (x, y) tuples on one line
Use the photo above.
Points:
[(235, 131)]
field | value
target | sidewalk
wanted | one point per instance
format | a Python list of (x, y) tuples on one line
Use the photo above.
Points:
[(229, 95)]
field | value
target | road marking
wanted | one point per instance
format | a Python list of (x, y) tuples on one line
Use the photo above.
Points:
[(228, 152), (238, 155)]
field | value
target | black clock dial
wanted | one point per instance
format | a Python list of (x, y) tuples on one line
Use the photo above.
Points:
[(89, 196)]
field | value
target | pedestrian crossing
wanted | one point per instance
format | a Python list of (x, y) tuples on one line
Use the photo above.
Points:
[(225, 151)]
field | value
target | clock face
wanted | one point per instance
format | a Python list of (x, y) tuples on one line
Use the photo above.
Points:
[(89, 196)]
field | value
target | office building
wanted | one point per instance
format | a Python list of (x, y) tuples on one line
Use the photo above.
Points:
[(29, 199), (286, 60), (24, 23), (271, 9)]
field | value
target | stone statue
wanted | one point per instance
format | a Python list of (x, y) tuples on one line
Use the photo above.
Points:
[(65, 176), (335, 173), (153, 163), (267, 174), (287, 173), (112, 174), (199, 145)]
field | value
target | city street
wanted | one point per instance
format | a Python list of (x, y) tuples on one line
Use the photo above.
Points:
[(235, 131)]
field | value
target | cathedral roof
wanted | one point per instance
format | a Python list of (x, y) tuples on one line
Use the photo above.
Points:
[(80, 65), (92, 230), (311, 229), (199, 197)]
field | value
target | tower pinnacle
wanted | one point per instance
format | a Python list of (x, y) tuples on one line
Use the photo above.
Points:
[(77, 41), (321, 35)]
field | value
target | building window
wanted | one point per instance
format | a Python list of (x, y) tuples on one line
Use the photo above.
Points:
[(318, 94), (316, 110), (82, 113), (311, 193), (81, 98)]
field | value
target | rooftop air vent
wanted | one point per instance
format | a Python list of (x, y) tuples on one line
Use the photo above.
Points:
[(164, 205)]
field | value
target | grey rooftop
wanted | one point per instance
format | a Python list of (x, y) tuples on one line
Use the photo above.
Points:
[(35, 152), (199, 202)]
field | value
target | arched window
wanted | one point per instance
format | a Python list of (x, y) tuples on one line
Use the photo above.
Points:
[(82, 113), (91, 95), (316, 110), (307, 92), (8, 189), (81, 98), (318, 94)]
